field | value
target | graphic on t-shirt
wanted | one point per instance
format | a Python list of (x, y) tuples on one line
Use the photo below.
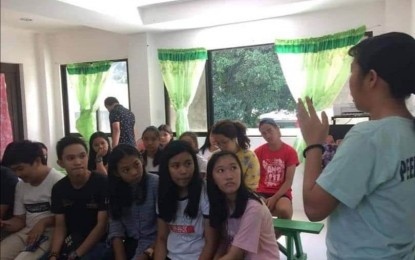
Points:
[(37, 207), (274, 172), (182, 229)]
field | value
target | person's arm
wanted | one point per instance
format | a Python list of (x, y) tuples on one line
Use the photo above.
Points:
[(39, 228), (116, 131), (118, 248), (211, 241), (251, 176), (100, 167), (59, 234), (234, 253), (116, 234), (160, 251), (3, 210), (288, 182), (14, 224), (95, 235), (318, 203)]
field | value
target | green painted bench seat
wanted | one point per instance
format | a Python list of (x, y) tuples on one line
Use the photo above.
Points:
[(291, 229)]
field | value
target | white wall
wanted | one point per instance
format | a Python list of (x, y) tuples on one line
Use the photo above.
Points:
[(18, 47)]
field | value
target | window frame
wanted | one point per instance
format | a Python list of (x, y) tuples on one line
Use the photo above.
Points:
[(65, 97)]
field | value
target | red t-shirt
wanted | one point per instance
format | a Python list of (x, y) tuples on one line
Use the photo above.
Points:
[(273, 165)]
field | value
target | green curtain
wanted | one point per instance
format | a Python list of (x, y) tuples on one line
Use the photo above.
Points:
[(88, 80), (317, 67), (181, 70)]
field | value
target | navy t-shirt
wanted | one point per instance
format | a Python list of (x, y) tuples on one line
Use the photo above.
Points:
[(126, 119)]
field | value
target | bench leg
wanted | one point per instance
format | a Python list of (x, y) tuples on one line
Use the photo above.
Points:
[(290, 247), (299, 248)]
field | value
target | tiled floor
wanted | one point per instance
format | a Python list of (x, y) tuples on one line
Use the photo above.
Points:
[(313, 245)]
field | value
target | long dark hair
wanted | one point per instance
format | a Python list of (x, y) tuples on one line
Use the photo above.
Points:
[(232, 129), (206, 144), (122, 194), (168, 194), (157, 155), (92, 154), (219, 211)]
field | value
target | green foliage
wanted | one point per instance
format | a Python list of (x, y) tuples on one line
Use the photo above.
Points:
[(248, 82)]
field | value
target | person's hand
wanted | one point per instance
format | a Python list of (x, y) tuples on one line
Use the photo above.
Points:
[(270, 202), (34, 234), (101, 152), (313, 130), (4, 223)]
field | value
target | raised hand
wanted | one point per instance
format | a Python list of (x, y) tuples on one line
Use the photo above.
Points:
[(313, 130)]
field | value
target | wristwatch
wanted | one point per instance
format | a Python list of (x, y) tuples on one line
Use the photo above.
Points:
[(98, 159), (73, 256), (53, 254), (149, 252)]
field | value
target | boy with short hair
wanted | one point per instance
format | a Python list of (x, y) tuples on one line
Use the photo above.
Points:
[(80, 204), (33, 220)]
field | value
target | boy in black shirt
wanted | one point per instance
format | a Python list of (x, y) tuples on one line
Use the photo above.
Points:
[(80, 203)]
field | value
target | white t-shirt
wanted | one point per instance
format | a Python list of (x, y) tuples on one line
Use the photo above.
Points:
[(202, 163), (35, 201), (186, 238), (150, 168)]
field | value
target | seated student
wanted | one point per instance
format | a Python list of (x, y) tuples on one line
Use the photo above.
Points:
[(132, 229), (183, 230), (80, 203), (209, 146), (191, 138), (152, 152), (8, 181), (330, 148), (33, 220), (100, 149), (278, 161), (166, 135), (231, 136), (245, 222)]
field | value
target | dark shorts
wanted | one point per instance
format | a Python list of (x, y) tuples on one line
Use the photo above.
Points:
[(267, 195)]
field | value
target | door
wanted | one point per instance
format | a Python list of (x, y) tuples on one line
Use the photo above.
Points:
[(14, 98)]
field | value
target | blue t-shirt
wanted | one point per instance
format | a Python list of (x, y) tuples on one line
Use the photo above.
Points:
[(373, 177)]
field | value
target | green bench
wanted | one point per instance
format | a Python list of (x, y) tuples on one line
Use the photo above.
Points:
[(291, 229)]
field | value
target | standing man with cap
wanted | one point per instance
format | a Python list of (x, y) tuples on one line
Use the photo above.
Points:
[(122, 123)]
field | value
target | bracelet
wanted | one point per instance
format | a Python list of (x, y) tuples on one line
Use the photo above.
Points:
[(53, 254), (98, 159), (312, 147)]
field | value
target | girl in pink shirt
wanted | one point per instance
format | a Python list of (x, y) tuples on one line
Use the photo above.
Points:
[(244, 220)]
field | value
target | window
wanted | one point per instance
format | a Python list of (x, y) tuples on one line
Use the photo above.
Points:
[(247, 84), (243, 83), (116, 85), (197, 111)]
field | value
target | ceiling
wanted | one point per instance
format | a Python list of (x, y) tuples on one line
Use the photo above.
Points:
[(135, 16)]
